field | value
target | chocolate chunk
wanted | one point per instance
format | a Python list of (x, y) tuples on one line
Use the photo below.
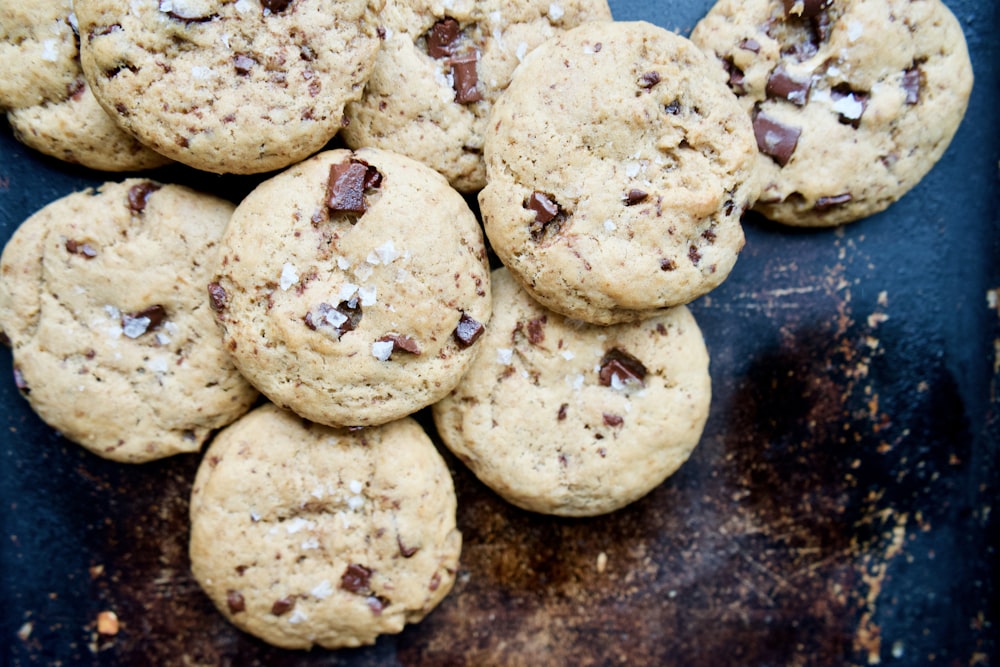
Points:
[(911, 84), (667, 264), (345, 191), (467, 331), (750, 44), (20, 382), (775, 139), (217, 297), (619, 363), (138, 195), (545, 209), (781, 84), (275, 6), (694, 255), (244, 64), (377, 603), (78, 248), (612, 419), (355, 579), (805, 8), (849, 104), (536, 330), (235, 602), (635, 196), (824, 204), (648, 80), (737, 80), (401, 342), (341, 319), (154, 315), (465, 79), (674, 108), (561, 415), (182, 13), (405, 551), (283, 606), (441, 38), (76, 89)]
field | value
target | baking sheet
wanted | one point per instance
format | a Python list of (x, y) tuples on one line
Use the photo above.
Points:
[(837, 511)]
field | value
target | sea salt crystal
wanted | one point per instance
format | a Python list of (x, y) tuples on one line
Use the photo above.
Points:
[(616, 382), (50, 50), (199, 72), (381, 350), (158, 364), (521, 51), (854, 30), (298, 616), (610, 226), (355, 502), (387, 252), (322, 590), (363, 272), (567, 355), (244, 6), (298, 523), (343, 263), (311, 543), (578, 381), (505, 355), (347, 290), (254, 516), (162, 338), (289, 276), (135, 326), (367, 295), (849, 107), (355, 486), (555, 12)]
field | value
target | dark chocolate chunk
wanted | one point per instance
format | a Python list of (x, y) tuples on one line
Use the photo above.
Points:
[(377, 603), (635, 196), (737, 80), (468, 331), (441, 38), (809, 8), (849, 104), (154, 314), (244, 64), (781, 84), (275, 6), (694, 255), (401, 342), (649, 79), (911, 84), (618, 362), (750, 44), (138, 195), (283, 606), (545, 209), (235, 602), (405, 551), (345, 191), (826, 203), (775, 139), (182, 13), (674, 108), (667, 264), (536, 330), (76, 89), (341, 319), (613, 420), (561, 415), (355, 579), (465, 79), (77, 248), (20, 382), (217, 297)]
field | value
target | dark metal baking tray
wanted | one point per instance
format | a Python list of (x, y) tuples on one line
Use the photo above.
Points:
[(837, 511)]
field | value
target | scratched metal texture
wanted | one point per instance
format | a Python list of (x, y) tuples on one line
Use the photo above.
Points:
[(838, 510)]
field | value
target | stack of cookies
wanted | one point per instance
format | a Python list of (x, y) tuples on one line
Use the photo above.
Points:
[(613, 162)]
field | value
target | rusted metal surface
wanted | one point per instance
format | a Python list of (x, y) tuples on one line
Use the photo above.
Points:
[(838, 510)]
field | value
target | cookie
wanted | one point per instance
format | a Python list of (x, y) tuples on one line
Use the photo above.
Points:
[(852, 101), (440, 69), (114, 344), (618, 167), (235, 87), (48, 103), (304, 535), (353, 287), (572, 419)]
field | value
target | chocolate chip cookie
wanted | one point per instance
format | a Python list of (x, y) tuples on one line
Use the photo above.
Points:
[(229, 87), (572, 419), (353, 287), (102, 300), (304, 535), (440, 69), (48, 103), (852, 101), (618, 167)]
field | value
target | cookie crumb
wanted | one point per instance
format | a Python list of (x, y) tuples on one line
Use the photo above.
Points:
[(107, 623)]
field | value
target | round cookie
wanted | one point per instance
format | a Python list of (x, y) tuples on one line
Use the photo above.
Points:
[(618, 169), (853, 101), (102, 300), (235, 87), (353, 287), (47, 100), (440, 69), (566, 418), (304, 535)]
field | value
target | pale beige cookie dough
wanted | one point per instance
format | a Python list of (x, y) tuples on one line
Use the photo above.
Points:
[(102, 296), (618, 167), (441, 67), (853, 101), (353, 287), (566, 418), (304, 535), (48, 103), (232, 87)]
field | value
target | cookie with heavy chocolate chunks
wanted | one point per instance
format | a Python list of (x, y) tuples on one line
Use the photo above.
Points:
[(618, 168), (852, 101), (229, 87), (48, 102), (304, 535), (572, 419), (114, 345), (440, 69), (353, 287)]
